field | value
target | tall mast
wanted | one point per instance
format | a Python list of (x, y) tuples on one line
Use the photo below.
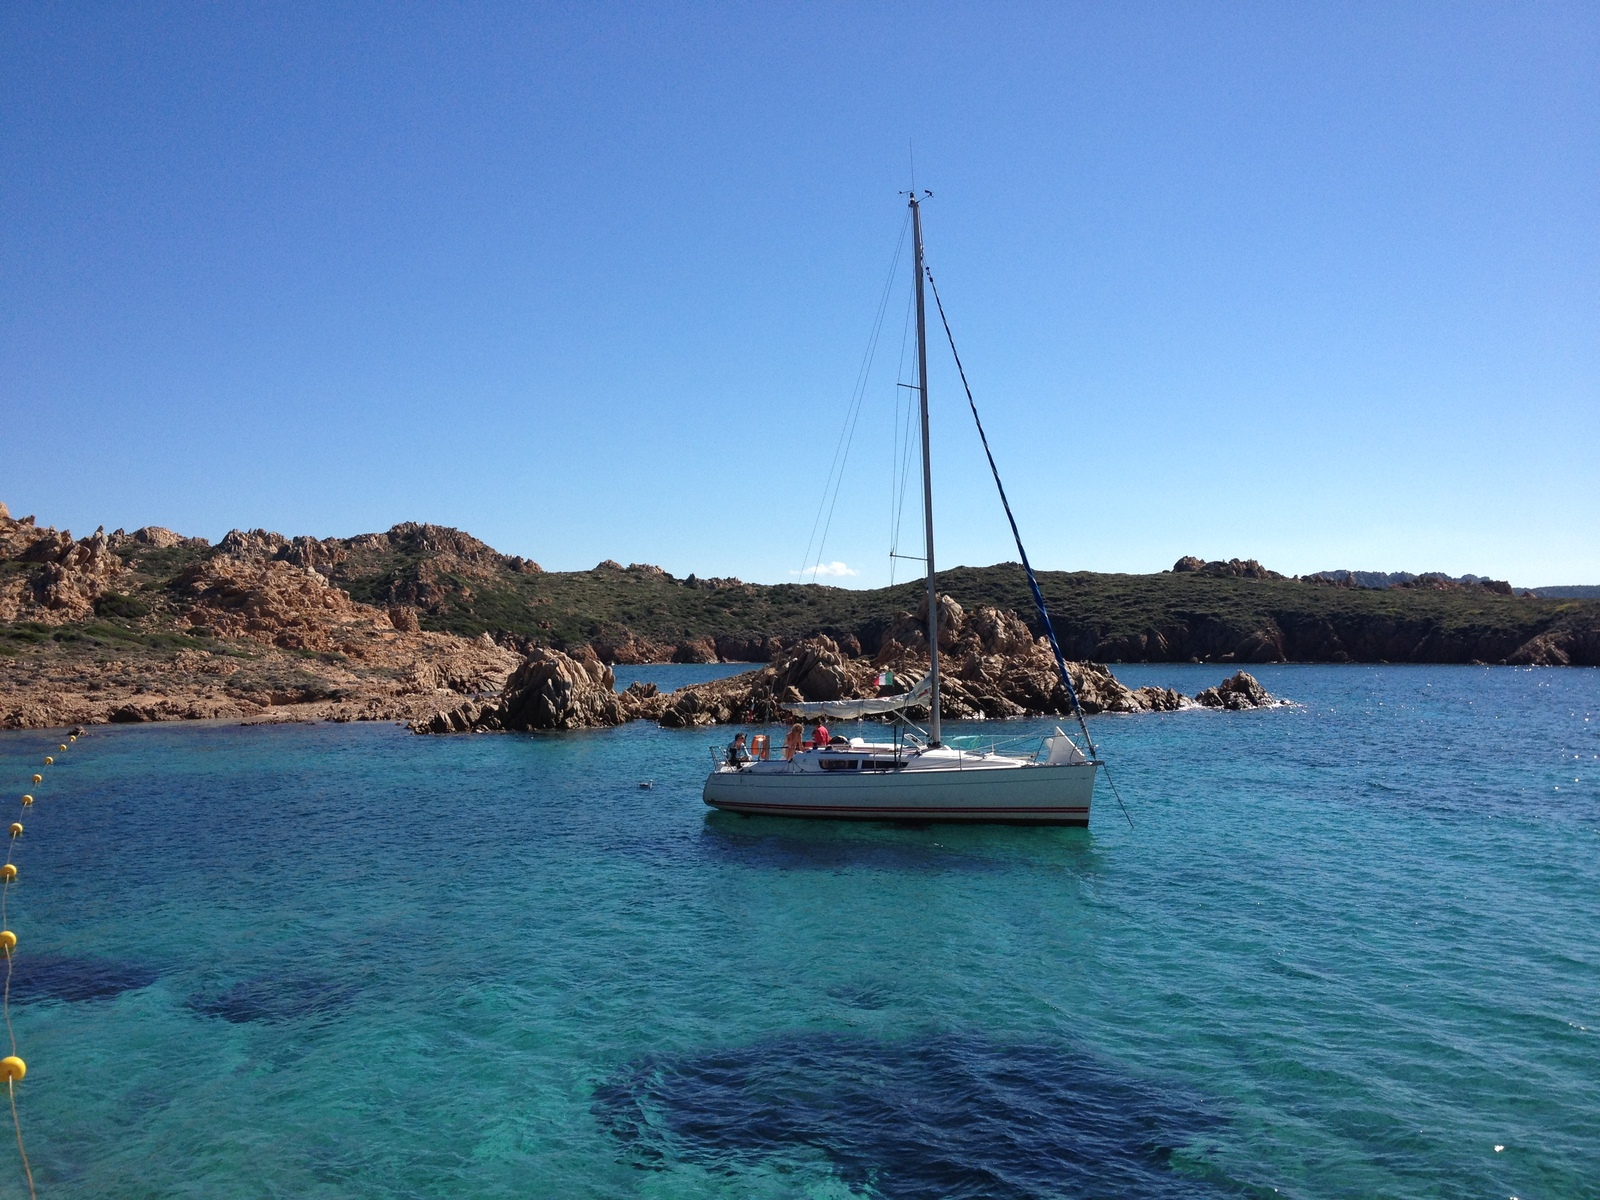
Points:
[(927, 478)]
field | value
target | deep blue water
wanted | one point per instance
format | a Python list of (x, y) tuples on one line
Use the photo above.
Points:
[(1347, 950), (669, 677)]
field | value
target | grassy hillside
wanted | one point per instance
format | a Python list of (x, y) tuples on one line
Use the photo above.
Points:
[(1161, 617), (454, 583)]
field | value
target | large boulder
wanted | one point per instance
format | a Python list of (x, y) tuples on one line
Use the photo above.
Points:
[(695, 650), (1000, 632), (1242, 691), (816, 669), (158, 537), (552, 690), (404, 618), (548, 690), (753, 648), (624, 647)]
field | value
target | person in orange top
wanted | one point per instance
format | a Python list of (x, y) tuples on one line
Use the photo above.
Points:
[(795, 741)]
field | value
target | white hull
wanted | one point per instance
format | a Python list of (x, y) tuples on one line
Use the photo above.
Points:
[(1030, 794), (914, 779)]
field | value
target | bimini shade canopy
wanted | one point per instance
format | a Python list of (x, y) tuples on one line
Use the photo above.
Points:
[(921, 694)]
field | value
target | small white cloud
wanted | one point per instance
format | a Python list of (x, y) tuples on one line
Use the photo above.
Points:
[(835, 570)]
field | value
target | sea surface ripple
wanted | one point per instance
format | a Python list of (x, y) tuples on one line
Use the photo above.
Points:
[(1346, 949)]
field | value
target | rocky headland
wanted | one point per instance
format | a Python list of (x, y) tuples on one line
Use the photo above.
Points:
[(151, 626), (423, 620)]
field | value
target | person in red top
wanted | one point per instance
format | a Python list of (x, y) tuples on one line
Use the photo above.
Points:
[(819, 736)]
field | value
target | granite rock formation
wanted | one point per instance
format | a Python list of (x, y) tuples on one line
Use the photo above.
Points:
[(1569, 644), (1241, 691), (551, 690), (993, 669), (1233, 568), (58, 578), (250, 629), (274, 602), (395, 677), (155, 625)]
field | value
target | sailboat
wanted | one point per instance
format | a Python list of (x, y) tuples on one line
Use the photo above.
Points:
[(920, 778)]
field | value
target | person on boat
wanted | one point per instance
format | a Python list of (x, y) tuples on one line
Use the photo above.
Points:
[(819, 736), (737, 754), (795, 741)]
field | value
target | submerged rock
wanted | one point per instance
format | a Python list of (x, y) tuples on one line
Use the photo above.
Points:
[(73, 979), (924, 1118), (276, 997)]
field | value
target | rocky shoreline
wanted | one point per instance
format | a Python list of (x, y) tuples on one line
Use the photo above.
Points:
[(243, 631), (424, 620), (993, 669)]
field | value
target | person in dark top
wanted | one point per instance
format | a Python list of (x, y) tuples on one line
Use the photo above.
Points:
[(737, 754)]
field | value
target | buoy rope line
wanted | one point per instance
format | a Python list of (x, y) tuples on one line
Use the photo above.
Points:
[(12, 1066)]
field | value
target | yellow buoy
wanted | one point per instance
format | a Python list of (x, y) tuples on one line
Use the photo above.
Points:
[(48, 760), (63, 746), (73, 738), (13, 1068), (16, 829), (8, 872), (27, 800), (8, 940), (38, 778)]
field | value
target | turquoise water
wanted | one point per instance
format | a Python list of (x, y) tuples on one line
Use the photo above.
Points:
[(1347, 949)]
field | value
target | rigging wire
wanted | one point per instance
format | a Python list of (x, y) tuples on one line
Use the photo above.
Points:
[(1033, 582), (841, 453), (901, 447)]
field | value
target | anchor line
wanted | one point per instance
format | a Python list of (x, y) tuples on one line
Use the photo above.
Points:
[(1033, 582), (1117, 794)]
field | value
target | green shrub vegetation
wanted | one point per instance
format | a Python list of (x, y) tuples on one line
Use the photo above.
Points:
[(1108, 616)]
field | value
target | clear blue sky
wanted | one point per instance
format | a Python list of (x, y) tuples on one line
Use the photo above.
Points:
[(1315, 284)]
